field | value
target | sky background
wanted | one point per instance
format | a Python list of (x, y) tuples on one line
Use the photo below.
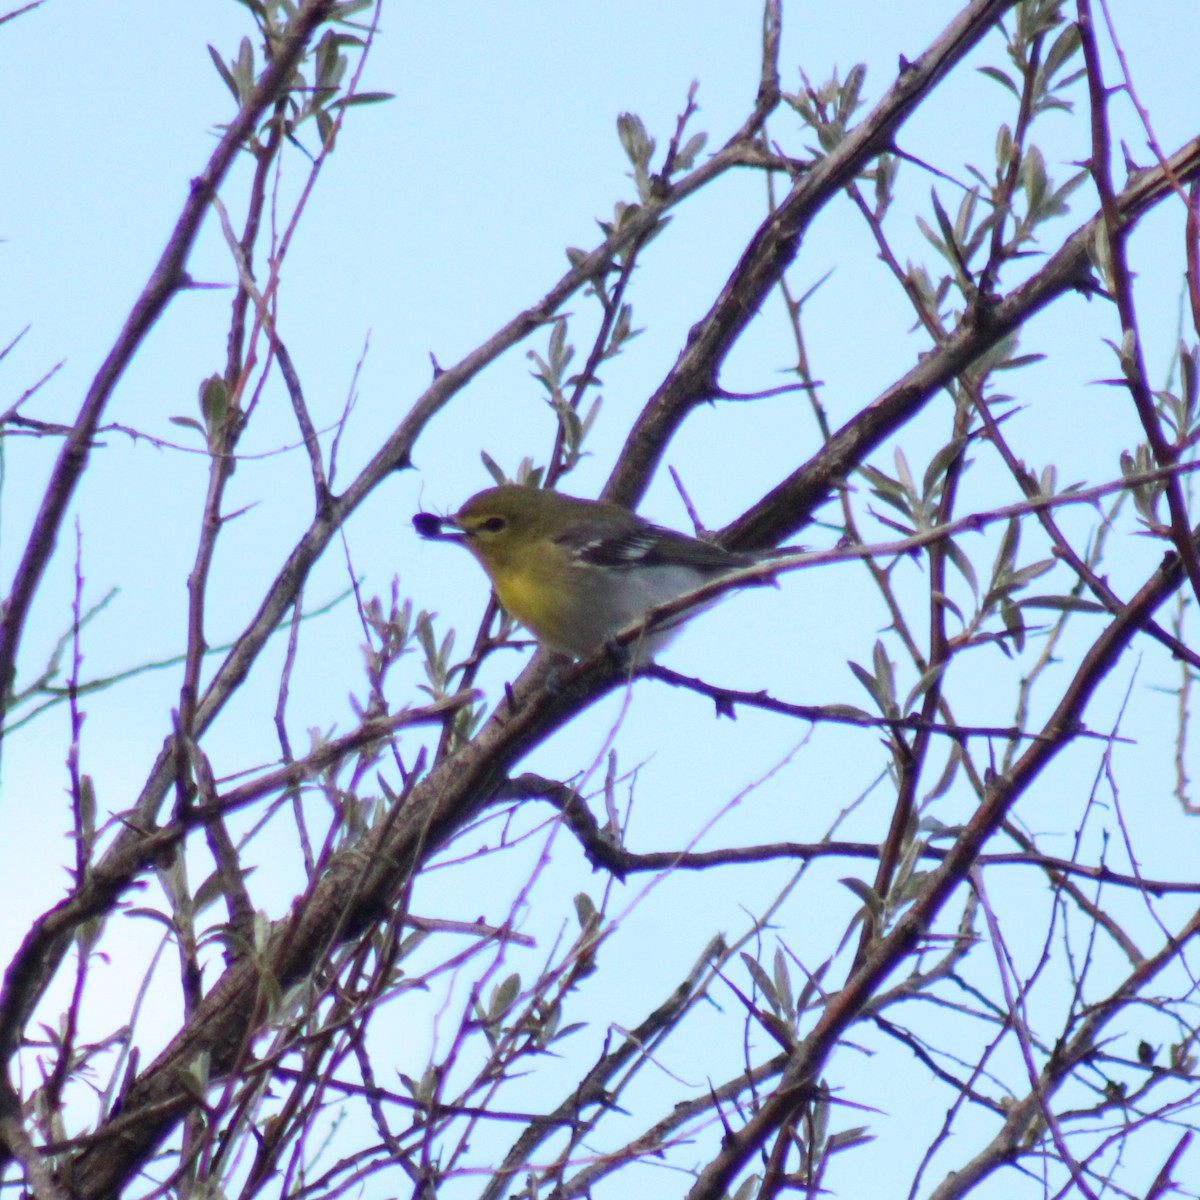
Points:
[(441, 214)]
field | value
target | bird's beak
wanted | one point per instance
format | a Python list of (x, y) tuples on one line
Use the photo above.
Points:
[(430, 525)]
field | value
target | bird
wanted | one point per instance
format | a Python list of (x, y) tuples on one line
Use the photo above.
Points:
[(575, 572)]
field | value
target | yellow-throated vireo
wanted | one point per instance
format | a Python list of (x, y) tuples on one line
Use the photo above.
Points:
[(575, 572)]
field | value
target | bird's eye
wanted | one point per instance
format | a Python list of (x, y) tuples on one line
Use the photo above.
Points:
[(493, 524)]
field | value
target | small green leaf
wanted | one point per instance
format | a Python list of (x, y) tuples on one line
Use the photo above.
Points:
[(639, 146), (585, 911), (1065, 46), (783, 982), (503, 997), (903, 474), (866, 893), (1010, 614), (850, 96), (492, 467), (1001, 78), (1006, 555), (762, 981), (360, 98), (871, 684), (747, 1189), (1063, 604), (1024, 575), (847, 1139), (942, 786), (927, 680), (243, 68), (955, 554), (686, 158), (940, 464), (1004, 147), (214, 402), (846, 710), (224, 72)]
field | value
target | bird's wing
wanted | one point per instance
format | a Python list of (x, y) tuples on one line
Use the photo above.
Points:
[(646, 545)]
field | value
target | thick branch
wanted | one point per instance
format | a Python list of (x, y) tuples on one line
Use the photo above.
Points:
[(773, 248), (887, 953), (790, 505)]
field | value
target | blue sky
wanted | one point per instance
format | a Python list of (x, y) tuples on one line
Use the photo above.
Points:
[(440, 215)]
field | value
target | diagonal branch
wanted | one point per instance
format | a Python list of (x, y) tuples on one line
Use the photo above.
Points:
[(693, 379), (888, 952), (791, 503), (167, 279)]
